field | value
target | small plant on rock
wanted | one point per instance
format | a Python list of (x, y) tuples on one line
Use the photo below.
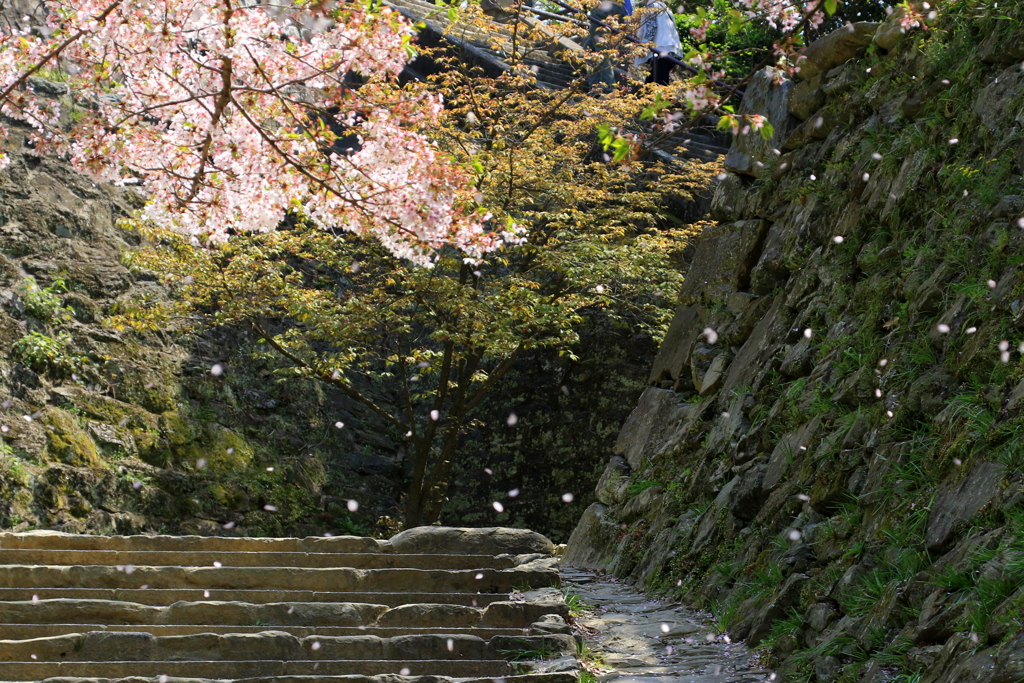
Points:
[(49, 355), (44, 303)]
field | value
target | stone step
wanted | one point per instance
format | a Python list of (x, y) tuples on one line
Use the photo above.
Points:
[(341, 579), (695, 147), (311, 544), (113, 612), (429, 602), (250, 558), (553, 677), (96, 646), (167, 596), (28, 631), (36, 671)]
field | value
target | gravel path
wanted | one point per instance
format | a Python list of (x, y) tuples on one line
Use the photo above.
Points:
[(644, 640)]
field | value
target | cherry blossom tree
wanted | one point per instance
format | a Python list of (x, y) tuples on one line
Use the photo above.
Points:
[(231, 117)]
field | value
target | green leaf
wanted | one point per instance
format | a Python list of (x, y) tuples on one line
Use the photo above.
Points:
[(767, 131), (621, 147), (830, 6), (655, 108)]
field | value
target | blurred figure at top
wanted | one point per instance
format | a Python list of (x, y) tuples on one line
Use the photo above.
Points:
[(658, 31)]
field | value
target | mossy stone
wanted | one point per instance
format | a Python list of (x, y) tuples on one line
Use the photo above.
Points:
[(178, 429), (68, 442), (221, 448)]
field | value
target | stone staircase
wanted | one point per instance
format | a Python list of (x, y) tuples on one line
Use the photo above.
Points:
[(702, 142), (431, 602), (490, 45)]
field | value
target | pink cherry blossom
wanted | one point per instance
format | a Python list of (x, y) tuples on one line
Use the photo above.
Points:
[(230, 117)]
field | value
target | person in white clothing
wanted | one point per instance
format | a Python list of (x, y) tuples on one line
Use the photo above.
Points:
[(658, 30)]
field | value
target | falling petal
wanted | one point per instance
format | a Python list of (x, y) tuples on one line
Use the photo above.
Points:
[(352, 505)]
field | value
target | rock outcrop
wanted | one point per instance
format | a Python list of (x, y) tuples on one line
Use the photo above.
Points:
[(831, 452)]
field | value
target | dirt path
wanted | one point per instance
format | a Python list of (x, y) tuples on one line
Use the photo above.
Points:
[(643, 640)]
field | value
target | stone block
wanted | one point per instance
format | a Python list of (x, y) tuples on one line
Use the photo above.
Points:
[(768, 334), (721, 266), (674, 353), (960, 500), (593, 541), (790, 450), (834, 49), (522, 614), (713, 378), (614, 482), (805, 98), (555, 645), (430, 615), (461, 541), (1003, 45), (646, 428), (776, 608), (765, 94)]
